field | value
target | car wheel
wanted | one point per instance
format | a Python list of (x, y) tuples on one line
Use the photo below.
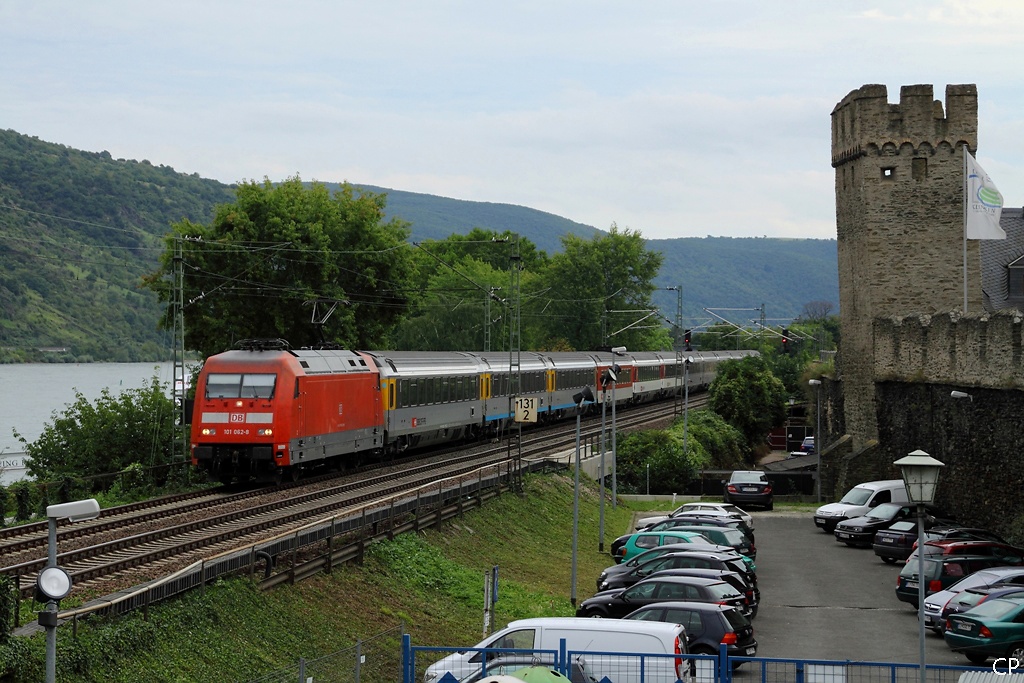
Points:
[(1016, 652), (976, 657), (594, 614), (889, 560)]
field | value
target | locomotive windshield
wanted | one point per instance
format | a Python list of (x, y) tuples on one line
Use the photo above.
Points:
[(240, 385)]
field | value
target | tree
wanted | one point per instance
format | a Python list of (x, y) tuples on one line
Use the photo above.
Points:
[(598, 293), (456, 278), (258, 268), (749, 397), (135, 426), (817, 310), (654, 456)]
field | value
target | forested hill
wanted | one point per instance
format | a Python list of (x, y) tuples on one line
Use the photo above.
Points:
[(79, 230)]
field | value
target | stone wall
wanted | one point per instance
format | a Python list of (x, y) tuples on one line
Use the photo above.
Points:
[(982, 350)]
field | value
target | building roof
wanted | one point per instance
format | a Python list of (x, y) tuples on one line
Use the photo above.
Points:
[(996, 255)]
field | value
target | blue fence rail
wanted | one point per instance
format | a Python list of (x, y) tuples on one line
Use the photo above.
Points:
[(618, 667)]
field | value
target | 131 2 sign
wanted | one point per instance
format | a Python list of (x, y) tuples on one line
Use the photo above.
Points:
[(526, 409)]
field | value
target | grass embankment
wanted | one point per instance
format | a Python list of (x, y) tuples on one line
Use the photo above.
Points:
[(432, 582)]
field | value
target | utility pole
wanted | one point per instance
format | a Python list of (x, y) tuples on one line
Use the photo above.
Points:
[(515, 374), (179, 442)]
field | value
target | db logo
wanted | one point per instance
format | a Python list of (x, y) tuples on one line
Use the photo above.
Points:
[(237, 417), (1003, 666)]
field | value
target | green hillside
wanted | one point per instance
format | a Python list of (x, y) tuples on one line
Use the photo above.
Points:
[(81, 229)]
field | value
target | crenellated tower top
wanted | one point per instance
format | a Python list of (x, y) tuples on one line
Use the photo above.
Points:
[(865, 120)]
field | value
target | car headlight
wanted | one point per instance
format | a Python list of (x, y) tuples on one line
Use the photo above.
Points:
[(823, 513)]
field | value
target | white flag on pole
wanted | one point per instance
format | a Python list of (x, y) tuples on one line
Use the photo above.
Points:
[(983, 203)]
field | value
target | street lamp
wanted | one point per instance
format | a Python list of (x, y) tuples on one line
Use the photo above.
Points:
[(579, 399), (921, 477), (53, 583), (609, 375), (816, 383), (961, 394), (617, 351), (686, 400)]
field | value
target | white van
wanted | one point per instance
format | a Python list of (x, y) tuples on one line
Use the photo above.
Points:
[(614, 646), (859, 500)]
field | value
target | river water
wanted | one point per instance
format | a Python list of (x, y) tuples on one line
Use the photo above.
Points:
[(31, 392)]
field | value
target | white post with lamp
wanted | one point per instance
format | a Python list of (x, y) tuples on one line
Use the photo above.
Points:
[(579, 399), (53, 583), (686, 400), (921, 477), (616, 351), (608, 376), (816, 383)]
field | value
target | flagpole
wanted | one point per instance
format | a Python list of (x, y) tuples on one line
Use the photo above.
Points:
[(966, 190)]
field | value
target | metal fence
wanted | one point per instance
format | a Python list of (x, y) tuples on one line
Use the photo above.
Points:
[(376, 660), (612, 667)]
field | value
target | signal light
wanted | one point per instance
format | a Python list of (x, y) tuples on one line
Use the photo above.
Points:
[(785, 340), (686, 340)]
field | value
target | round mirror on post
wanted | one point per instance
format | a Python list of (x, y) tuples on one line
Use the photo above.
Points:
[(53, 583)]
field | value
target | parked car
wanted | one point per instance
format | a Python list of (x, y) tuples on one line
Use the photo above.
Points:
[(940, 572), (972, 597), (522, 667), (734, 538), (707, 626), (860, 531), (700, 518), (618, 603), (897, 541), (627, 547), (739, 581), (688, 564), (653, 553), (748, 488), (709, 519), (1008, 554), (699, 506), (934, 604), (858, 501), (994, 628), (807, 446)]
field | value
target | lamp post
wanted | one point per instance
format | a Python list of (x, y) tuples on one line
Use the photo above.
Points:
[(686, 400), (609, 375), (579, 399), (921, 477), (961, 394), (53, 583), (816, 383), (616, 351)]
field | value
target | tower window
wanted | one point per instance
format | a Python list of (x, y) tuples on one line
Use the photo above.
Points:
[(889, 173), (919, 168)]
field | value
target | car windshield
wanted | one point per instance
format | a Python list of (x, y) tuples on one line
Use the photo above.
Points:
[(903, 526), (748, 477), (884, 511), (856, 496)]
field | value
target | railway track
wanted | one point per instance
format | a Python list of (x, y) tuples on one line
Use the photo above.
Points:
[(131, 544)]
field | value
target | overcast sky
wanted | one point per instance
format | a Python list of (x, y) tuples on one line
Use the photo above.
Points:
[(671, 117)]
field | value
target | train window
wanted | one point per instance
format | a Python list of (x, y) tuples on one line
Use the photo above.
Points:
[(223, 385), (258, 385), (237, 385)]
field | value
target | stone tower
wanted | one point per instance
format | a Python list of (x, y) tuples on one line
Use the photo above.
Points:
[(899, 221)]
